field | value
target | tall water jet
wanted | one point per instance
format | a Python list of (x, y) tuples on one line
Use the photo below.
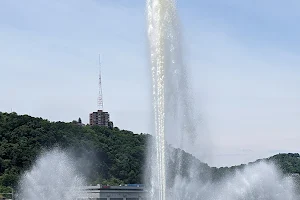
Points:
[(159, 16), (169, 85)]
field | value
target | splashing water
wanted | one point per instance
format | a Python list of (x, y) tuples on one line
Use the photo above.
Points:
[(175, 120), (52, 177), (261, 181)]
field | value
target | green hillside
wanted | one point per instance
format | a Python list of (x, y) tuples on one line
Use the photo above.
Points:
[(112, 156)]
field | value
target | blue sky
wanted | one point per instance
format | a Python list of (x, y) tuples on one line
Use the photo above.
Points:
[(243, 59)]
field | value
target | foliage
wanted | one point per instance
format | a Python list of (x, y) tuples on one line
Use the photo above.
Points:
[(289, 164), (112, 156), (5, 192), (109, 154)]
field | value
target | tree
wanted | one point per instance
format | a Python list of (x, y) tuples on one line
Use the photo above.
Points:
[(110, 156)]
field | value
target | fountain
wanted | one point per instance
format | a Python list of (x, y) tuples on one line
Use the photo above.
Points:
[(175, 119), (52, 177)]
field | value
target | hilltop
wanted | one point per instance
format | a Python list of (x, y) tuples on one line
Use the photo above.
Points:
[(113, 156)]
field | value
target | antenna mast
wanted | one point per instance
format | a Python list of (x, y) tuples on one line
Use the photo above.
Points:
[(100, 97)]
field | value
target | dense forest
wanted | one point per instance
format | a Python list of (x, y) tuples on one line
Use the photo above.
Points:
[(112, 156)]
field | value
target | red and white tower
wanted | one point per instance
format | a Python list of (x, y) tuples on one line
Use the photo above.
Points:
[(100, 118), (100, 97)]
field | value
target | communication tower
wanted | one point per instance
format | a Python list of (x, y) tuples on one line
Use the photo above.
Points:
[(100, 97), (100, 117)]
